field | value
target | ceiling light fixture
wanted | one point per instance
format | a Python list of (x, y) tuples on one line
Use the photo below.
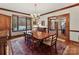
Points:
[(35, 15)]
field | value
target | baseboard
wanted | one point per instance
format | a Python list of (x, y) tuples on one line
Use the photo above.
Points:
[(74, 41), (12, 37)]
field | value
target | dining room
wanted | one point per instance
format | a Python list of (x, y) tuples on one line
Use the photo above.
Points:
[(39, 29)]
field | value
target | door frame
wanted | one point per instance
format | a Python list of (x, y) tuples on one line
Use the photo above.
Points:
[(67, 23)]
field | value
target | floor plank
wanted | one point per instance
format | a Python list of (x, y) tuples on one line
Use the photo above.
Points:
[(19, 47)]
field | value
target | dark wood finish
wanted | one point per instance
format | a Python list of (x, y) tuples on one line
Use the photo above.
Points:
[(5, 28), (53, 41), (55, 24), (12, 37), (30, 23), (42, 35), (13, 11), (42, 29), (20, 16), (19, 47), (67, 23), (9, 25), (3, 45), (56, 28), (5, 24), (18, 22), (29, 38), (20, 35), (74, 30), (74, 5)]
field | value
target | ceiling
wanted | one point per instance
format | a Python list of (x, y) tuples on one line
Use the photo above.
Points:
[(30, 8)]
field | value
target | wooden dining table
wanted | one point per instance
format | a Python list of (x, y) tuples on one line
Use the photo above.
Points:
[(39, 35)]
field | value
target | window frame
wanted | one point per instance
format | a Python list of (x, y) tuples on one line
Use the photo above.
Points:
[(18, 23), (30, 24)]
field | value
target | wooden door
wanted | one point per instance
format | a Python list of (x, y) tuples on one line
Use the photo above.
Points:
[(4, 30), (4, 24)]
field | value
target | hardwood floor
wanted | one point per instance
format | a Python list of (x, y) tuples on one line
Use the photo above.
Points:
[(19, 47), (72, 49)]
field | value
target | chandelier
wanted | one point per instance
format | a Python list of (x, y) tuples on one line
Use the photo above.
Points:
[(35, 15)]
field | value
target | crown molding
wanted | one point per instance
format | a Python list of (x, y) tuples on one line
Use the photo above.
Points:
[(74, 5), (14, 11)]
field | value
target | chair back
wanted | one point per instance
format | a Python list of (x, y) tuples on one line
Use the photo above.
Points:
[(54, 39), (29, 32), (27, 35), (51, 40)]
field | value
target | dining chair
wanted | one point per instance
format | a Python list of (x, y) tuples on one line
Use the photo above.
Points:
[(30, 40), (51, 41)]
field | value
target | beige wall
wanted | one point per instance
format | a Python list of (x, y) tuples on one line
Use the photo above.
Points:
[(74, 20), (10, 14)]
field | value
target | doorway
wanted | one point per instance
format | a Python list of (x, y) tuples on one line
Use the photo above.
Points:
[(62, 25)]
